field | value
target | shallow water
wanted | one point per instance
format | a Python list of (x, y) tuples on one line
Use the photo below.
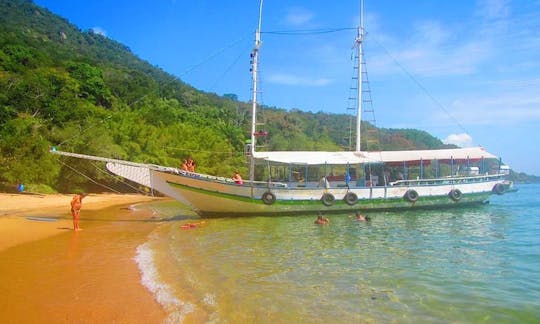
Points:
[(461, 265)]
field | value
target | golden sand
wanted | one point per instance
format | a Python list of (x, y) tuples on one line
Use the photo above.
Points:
[(19, 214), (52, 274)]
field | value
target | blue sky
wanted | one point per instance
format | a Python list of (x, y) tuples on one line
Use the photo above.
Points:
[(466, 71)]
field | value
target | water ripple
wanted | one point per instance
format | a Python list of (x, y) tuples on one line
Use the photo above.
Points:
[(462, 265)]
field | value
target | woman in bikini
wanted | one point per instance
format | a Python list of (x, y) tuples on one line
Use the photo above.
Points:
[(76, 204)]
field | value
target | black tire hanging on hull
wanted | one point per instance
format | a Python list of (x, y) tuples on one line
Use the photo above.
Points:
[(455, 194), (328, 199), (268, 198), (411, 195), (499, 189), (350, 198)]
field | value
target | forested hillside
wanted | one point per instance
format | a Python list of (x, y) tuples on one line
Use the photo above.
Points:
[(83, 92)]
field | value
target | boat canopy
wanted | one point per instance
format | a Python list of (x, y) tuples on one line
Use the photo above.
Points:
[(348, 157)]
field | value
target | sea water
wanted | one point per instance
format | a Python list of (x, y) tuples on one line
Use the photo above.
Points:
[(478, 264)]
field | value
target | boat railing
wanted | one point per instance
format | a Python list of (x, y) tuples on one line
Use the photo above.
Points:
[(447, 180), (270, 184), (267, 184), (206, 177)]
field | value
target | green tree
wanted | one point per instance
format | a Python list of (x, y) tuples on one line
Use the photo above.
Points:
[(24, 152), (92, 85)]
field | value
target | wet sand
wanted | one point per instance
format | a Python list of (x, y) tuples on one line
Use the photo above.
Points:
[(50, 273)]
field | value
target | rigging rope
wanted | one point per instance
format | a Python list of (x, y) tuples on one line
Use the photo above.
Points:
[(106, 173), (307, 31), (174, 78), (218, 79), (83, 130), (121, 179), (202, 151), (87, 177), (154, 211), (193, 67), (411, 76)]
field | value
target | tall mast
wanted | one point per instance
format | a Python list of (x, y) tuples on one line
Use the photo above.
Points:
[(359, 54), (254, 74)]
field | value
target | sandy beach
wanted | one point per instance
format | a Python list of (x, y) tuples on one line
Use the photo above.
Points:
[(50, 273), (20, 214)]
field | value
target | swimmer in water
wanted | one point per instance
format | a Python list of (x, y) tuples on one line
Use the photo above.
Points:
[(322, 220)]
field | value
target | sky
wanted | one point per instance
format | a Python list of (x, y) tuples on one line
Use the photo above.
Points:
[(465, 71)]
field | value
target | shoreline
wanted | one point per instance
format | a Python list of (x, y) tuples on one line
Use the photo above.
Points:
[(30, 217), (17, 203), (67, 275)]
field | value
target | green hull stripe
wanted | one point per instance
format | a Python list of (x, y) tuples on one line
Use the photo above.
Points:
[(374, 203)]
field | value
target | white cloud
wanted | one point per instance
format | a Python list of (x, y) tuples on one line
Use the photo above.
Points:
[(462, 140), (433, 51), (298, 16), (500, 89), (483, 70), (439, 48), (494, 9), (431, 32), (506, 104), (294, 80), (99, 30)]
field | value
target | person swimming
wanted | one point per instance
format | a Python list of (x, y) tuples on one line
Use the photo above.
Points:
[(322, 220), (361, 218)]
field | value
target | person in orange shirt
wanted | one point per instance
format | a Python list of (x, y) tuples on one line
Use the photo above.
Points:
[(76, 204)]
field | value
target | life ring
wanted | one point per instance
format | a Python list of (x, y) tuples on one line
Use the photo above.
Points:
[(350, 198), (411, 195), (268, 198), (328, 199), (499, 189), (455, 194)]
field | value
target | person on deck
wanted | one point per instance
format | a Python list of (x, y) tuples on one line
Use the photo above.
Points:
[(237, 178), (347, 178), (76, 204), (324, 183), (184, 166), (190, 164), (191, 167)]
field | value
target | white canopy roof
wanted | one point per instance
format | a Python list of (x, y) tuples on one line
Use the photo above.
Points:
[(347, 157)]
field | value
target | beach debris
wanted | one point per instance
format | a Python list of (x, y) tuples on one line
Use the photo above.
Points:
[(42, 219), (192, 225)]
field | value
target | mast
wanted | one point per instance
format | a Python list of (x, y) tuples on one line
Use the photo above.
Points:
[(359, 54), (254, 74)]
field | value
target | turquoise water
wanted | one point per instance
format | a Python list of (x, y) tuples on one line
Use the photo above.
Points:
[(463, 265)]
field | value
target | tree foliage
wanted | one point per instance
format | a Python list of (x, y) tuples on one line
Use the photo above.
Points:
[(86, 93)]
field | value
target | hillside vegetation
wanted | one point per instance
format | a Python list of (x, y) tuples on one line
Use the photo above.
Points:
[(83, 92)]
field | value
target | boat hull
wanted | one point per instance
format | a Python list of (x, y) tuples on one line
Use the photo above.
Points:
[(215, 204), (219, 197)]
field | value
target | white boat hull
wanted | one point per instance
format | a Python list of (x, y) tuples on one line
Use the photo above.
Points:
[(215, 197)]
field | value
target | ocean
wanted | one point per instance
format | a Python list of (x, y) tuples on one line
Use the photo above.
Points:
[(471, 265)]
